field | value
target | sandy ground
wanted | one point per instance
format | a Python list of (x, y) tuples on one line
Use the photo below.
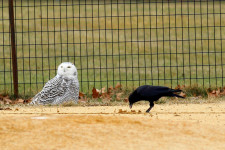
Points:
[(175, 126)]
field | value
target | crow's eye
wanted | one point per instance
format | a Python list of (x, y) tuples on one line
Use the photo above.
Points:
[(68, 67)]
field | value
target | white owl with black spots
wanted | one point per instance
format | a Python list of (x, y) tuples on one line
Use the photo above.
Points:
[(62, 88)]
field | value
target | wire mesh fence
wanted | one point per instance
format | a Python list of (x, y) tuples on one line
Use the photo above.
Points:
[(130, 42)]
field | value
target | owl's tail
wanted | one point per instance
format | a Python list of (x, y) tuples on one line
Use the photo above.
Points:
[(34, 100)]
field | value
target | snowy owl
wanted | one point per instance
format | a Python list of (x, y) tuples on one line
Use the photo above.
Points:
[(62, 88)]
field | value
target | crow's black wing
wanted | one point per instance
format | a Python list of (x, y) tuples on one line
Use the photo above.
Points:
[(154, 91)]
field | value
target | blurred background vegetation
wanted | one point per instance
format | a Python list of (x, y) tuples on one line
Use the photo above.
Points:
[(130, 42)]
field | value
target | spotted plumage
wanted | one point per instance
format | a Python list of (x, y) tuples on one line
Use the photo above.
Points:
[(62, 88)]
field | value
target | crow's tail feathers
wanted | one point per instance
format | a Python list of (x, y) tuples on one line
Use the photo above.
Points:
[(177, 90), (175, 95)]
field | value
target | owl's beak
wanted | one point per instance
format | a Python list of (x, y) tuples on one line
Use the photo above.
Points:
[(64, 70)]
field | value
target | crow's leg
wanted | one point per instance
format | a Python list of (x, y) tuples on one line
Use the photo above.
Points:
[(151, 105)]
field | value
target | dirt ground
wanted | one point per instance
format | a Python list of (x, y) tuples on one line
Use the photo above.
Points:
[(168, 126)]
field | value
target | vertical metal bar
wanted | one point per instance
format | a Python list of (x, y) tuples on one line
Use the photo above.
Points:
[(86, 30), (221, 47), (138, 59), (13, 45), (143, 6), (157, 41), (163, 44), (106, 44)]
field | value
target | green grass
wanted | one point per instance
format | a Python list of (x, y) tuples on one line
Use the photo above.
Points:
[(175, 52)]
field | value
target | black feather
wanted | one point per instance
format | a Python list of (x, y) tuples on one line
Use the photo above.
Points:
[(151, 94)]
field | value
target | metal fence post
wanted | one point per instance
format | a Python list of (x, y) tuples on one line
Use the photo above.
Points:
[(13, 46)]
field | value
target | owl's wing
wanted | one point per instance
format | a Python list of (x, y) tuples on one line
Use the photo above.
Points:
[(51, 91), (74, 90)]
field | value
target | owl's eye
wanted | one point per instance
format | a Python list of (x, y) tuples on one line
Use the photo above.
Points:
[(68, 67), (61, 66)]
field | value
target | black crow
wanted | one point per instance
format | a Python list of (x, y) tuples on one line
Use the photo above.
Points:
[(151, 94)]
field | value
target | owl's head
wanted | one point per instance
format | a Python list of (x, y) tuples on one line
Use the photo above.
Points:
[(67, 69)]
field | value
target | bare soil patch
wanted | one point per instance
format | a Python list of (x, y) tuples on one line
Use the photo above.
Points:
[(168, 126)]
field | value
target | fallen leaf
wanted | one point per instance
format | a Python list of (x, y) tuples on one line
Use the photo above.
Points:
[(182, 94), (27, 100), (118, 95), (122, 111), (95, 93), (110, 89), (177, 87), (7, 108), (118, 86), (81, 94), (211, 93), (20, 101), (1, 96), (223, 93), (7, 101), (82, 97), (218, 92), (133, 111), (102, 91), (125, 100), (106, 96)]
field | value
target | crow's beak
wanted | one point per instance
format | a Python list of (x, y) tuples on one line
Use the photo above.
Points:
[(130, 105)]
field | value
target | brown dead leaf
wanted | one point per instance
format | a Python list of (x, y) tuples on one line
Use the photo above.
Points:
[(179, 87), (133, 111), (106, 96), (81, 94), (7, 101), (223, 93), (82, 97), (121, 111), (27, 100), (20, 101), (182, 94), (218, 92), (7, 108), (110, 89), (118, 86), (1, 102), (125, 100), (1, 97), (102, 91), (212, 93), (118, 95), (95, 93)]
